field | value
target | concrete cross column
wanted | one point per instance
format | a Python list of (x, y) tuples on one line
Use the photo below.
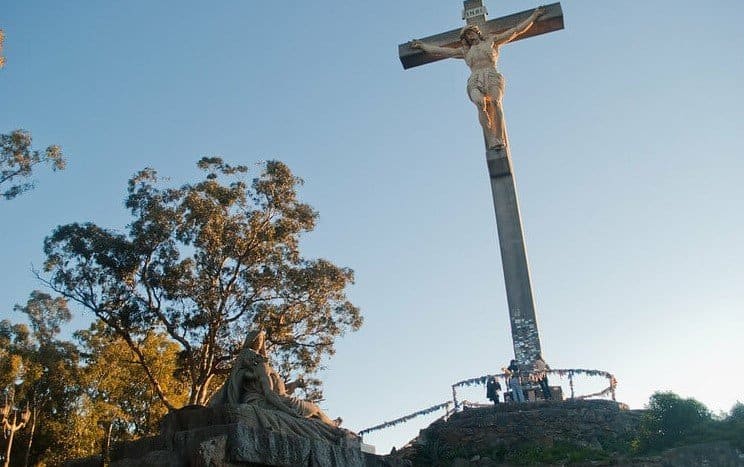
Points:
[(522, 317)]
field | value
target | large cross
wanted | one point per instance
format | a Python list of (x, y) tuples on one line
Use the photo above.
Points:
[(519, 296)]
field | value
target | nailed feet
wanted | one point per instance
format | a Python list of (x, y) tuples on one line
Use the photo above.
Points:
[(497, 145)]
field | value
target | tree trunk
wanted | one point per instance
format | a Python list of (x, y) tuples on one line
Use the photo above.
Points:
[(31, 436), (204, 391), (10, 443), (106, 445)]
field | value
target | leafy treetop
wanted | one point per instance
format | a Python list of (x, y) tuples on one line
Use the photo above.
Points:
[(203, 263), (18, 159)]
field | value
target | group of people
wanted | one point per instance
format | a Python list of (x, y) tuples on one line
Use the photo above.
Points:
[(514, 378)]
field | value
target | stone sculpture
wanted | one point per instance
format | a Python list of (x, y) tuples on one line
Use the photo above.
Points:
[(251, 420), (253, 381), (486, 85)]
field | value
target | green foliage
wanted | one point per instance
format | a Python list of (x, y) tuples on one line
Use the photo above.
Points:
[(736, 416), (18, 160), (40, 372), (46, 315), (734, 425), (435, 453), (116, 386), (670, 420), (173, 297), (201, 264), (73, 392), (2, 41), (70, 397), (559, 453)]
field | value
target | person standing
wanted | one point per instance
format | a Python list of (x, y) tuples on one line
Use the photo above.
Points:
[(514, 383), (541, 374), (492, 389)]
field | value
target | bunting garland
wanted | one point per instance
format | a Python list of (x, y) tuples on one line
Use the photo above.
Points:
[(433, 408), (565, 372), (601, 393), (482, 380), (474, 405), (570, 372)]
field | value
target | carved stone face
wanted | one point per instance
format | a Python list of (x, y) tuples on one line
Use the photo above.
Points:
[(471, 37), (251, 358)]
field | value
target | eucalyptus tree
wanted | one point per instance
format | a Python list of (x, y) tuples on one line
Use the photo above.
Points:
[(2, 41), (18, 160), (42, 373), (115, 387), (202, 263)]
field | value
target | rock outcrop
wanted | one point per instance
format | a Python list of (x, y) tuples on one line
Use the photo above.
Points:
[(572, 432), (489, 432)]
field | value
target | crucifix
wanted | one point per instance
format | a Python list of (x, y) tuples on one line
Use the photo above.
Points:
[(478, 44)]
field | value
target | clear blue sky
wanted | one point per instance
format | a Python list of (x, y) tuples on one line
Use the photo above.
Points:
[(626, 135)]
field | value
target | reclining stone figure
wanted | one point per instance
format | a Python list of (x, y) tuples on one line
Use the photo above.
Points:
[(253, 381)]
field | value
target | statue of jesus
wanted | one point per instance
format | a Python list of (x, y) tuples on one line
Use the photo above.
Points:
[(485, 85)]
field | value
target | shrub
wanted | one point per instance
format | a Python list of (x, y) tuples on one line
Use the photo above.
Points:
[(735, 425), (671, 420), (737, 414)]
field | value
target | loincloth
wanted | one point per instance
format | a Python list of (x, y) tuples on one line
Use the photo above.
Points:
[(488, 82)]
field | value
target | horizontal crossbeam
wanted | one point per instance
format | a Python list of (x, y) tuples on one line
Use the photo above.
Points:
[(551, 20)]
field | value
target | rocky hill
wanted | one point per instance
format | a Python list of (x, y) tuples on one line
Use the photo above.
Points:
[(591, 432)]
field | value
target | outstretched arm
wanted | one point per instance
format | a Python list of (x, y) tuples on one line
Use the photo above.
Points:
[(511, 34), (292, 385), (447, 52)]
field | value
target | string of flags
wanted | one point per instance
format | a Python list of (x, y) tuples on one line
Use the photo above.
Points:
[(397, 421), (601, 393), (563, 372), (482, 380), (474, 405)]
